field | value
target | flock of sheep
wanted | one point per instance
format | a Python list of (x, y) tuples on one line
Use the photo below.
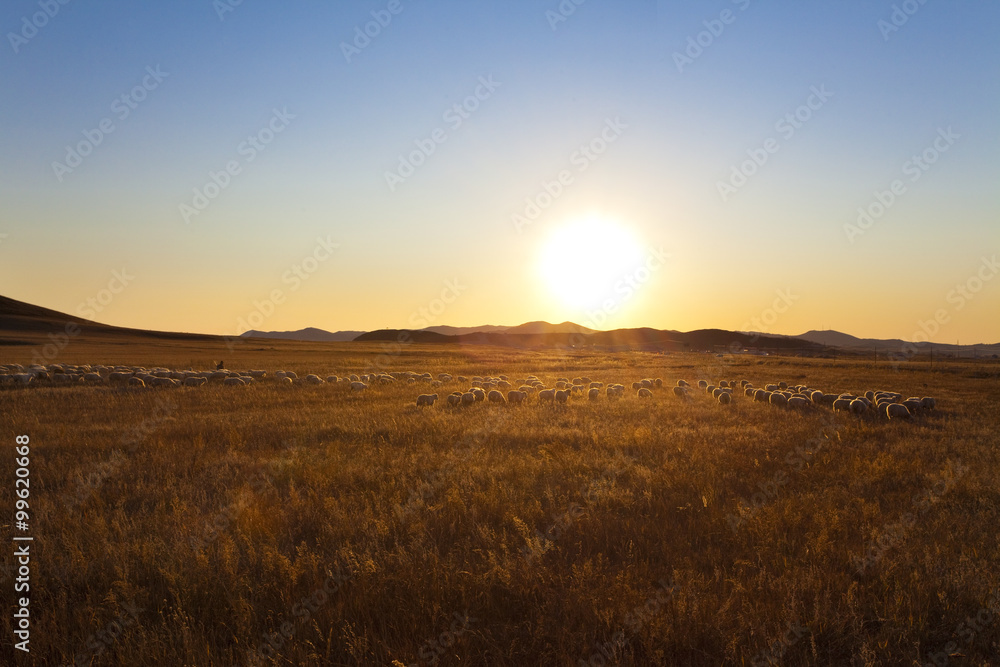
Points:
[(488, 389)]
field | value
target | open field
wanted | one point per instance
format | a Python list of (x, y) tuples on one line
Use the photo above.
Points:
[(185, 526)]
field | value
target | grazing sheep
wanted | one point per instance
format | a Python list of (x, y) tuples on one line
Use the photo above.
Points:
[(562, 395), (478, 393), (596, 385), (136, 382), (843, 404), (594, 393), (680, 391), (194, 381), (761, 395), (725, 398), (682, 383), (771, 387), (547, 395), (710, 388), (723, 384), (515, 397), (93, 378), (454, 399), (468, 398), (648, 384), (897, 411), (913, 404), (645, 393), (355, 386), (749, 391), (496, 397), (928, 403), (702, 384), (658, 383), (426, 399), (312, 378), (858, 407), (233, 382), (778, 399), (798, 402), (117, 377)]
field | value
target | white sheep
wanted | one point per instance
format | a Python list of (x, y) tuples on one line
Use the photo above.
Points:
[(636, 386), (136, 382), (426, 399), (842, 404), (495, 397), (547, 395), (798, 402), (562, 395), (194, 381), (725, 398), (778, 399), (680, 391), (468, 398), (858, 406), (312, 378), (897, 411), (594, 393), (761, 395), (644, 393), (454, 399), (515, 397), (355, 386), (928, 403), (234, 382), (702, 384), (478, 393)]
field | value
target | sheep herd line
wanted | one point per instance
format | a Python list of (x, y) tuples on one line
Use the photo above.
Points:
[(487, 389)]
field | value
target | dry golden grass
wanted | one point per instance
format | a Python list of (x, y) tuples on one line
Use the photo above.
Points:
[(428, 513)]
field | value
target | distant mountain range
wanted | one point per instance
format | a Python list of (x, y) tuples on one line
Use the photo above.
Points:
[(26, 324)]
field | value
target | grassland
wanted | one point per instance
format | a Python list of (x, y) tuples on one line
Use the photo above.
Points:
[(182, 527)]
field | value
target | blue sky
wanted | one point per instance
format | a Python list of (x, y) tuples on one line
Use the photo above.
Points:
[(323, 176)]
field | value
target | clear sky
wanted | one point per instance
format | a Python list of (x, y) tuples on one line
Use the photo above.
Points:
[(638, 163)]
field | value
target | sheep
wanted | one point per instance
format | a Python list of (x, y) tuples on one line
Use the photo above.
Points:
[(454, 399), (312, 378), (496, 397), (702, 384), (749, 391), (858, 407), (117, 377), (761, 395), (515, 397), (194, 381), (478, 394), (897, 411), (93, 378), (547, 395), (562, 395), (680, 392), (710, 388), (644, 393), (798, 402), (426, 399), (596, 385), (233, 382), (136, 382), (778, 399), (928, 403), (725, 398), (723, 384), (682, 383), (468, 398), (913, 404), (355, 386), (842, 404), (648, 384), (771, 387)]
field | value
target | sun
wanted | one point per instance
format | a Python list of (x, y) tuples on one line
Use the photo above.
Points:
[(583, 260)]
